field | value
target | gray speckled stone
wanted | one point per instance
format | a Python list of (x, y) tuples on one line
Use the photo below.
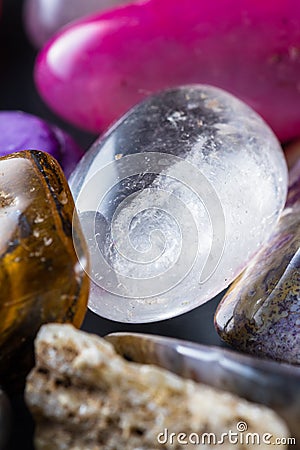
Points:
[(260, 314)]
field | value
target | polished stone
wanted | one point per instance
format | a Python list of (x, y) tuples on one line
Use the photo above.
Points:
[(43, 18), (40, 274), (23, 131), (261, 312), (175, 200), (84, 396), (267, 382), (94, 71)]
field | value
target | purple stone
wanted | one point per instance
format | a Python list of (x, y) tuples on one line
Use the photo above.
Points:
[(22, 131)]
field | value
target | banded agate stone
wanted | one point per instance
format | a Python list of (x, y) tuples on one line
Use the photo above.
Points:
[(43, 18), (260, 314), (270, 383), (23, 131), (42, 278), (174, 201), (97, 68)]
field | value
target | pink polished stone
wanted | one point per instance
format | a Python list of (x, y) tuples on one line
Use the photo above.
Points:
[(43, 18), (95, 70)]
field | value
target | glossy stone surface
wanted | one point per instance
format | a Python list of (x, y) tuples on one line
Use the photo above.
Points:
[(40, 275), (260, 314), (175, 200), (22, 131), (84, 396), (267, 382), (43, 18), (97, 69), (5, 420)]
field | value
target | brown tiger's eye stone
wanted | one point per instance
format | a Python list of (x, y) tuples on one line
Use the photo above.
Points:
[(42, 278)]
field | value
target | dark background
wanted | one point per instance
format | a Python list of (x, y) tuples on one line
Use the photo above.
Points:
[(17, 92)]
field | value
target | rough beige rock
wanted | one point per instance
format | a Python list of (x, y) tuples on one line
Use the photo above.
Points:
[(85, 397)]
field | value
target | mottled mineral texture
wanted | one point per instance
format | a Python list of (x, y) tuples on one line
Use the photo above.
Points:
[(42, 278), (84, 396), (243, 375), (260, 314)]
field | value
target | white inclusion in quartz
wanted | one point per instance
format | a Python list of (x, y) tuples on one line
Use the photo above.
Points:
[(197, 187)]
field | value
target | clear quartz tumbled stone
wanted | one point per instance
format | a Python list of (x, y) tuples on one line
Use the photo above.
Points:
[(174, 201)]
